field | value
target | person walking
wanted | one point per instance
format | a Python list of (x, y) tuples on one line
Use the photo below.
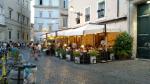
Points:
[(36, 51), (39, 49)]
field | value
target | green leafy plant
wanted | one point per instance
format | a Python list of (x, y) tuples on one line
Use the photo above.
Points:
[(16, 53), (63, 52), (93, 53), (76, 53), (57, 49), (110, 50), (123, 46)]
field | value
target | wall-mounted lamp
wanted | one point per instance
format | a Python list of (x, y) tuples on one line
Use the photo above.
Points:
[(71, 9), (148, 2)]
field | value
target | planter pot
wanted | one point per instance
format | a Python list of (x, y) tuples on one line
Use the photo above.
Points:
[(77, 60), (61, 55), (112, 56), (68, 57), (56, 54), (93, 60)]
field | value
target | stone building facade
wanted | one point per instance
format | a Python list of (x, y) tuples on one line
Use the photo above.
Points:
[(50, 16), (16, 20), (131, 16)]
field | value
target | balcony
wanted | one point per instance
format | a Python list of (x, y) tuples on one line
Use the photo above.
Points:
[(2, 20)]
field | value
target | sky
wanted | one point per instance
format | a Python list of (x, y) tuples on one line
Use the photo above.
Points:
[(32, 11)]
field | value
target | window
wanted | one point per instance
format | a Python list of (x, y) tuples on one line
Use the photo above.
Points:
[(40, 26), (23, 3), (40, 14), (1, 9), (27, 36), (18, 1), (10, 13), (55, 3), (87, 14), (50, 27), (9, 34), (27, 20), (18, 17), (65, 22), (27, 4), (50, 2), (18, 35), (41, 2), (101, 9), (23, 35), (50, 14), (65, 4), (78, 18), (23, 18)]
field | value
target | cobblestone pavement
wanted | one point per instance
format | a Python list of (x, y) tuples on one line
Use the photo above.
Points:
[(52, 70)]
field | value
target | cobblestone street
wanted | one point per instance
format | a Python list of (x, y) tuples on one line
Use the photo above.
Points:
[(52, 70)]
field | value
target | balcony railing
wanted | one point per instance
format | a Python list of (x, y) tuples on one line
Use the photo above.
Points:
[(2, 19)]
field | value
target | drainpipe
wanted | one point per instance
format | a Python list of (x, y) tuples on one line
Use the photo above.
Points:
[(118, 8), (129, 18)]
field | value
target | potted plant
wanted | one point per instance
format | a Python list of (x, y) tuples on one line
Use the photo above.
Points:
[(111, 54), (76, 55), (57, 52), (68, 54), (123, 46), (93, 54), (62, 53)]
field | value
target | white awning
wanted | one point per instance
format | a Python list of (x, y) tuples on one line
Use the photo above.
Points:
[(78, 31), (52, 34), (61, 33), (87, 29), (92, 29), (72, 32), (68, 32)]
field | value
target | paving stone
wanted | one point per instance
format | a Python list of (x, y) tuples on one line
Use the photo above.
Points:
[(52, 70)]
